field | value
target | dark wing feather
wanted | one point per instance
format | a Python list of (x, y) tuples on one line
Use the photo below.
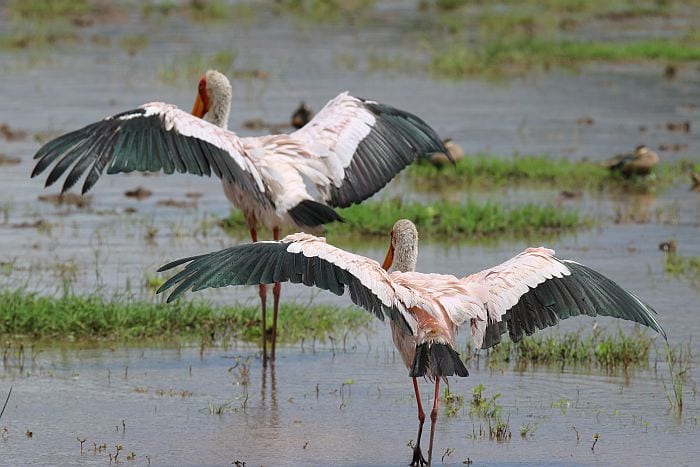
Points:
[(583, 292), (396, 140), (269, 262), (367, 144), (146, 140)]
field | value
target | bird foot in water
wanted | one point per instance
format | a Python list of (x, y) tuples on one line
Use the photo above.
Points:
[(418, 459)]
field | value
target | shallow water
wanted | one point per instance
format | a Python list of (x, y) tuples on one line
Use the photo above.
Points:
[(85, 393)]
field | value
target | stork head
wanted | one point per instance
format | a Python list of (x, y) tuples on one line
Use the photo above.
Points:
[(403, 249), (213, 101)]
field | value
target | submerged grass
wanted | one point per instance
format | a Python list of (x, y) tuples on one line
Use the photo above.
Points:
[(679, 360), (24, 314)]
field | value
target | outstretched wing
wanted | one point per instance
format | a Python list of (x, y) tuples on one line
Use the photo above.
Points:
[(298, 258), (534, 290), (364, 145), (153, 137)]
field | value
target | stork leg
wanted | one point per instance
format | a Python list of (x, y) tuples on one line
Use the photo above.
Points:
[(433, 419), (418, 459), (276, 295), (263, 302)]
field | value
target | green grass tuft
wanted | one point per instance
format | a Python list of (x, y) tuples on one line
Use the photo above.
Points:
[(451, 220), (607, 351), (47, 10), (471, 220), (92, 317), (507, 56), (683, 266), (485, 170)]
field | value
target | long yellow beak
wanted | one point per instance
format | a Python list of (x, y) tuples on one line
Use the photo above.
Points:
[(199, 108), (389, 258)]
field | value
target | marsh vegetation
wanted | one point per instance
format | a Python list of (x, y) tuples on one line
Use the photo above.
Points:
[(92, 317)]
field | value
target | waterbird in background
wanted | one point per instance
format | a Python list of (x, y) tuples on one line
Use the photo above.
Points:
[(347, 152), (302, 115), (530, 291), (641, 162)]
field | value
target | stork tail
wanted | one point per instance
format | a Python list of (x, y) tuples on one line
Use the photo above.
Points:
[(312, 213), (441, 359)]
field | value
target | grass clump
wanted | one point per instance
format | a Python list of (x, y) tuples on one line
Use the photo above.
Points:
[(442, 219), (93, 317), (450, 220), (608, 351), (487, 170), (209, 10), (489, 409), (189, 67), (679, 361), (133, 44), (452, 402), (47, 10), (322, 10), (505, 56), (683, 266)]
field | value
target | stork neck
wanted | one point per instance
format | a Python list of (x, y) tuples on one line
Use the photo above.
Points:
[(218, 111), (405, 256)]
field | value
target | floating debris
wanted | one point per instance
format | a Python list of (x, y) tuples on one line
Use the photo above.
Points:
[(174, 203), (7, 160), (69, 199), (679, 127), (12, 135), (138, 193)]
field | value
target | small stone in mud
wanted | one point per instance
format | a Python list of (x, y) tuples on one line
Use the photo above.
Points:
[(585, 121), (11, 135), (70, 199), (138, 193), (569, 194), (177, 203), (679, 127), (7, 160), (670, 71)]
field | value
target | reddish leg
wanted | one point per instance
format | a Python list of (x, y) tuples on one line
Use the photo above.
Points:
[(263, 303), (276, 295), (418, 459), (433, 419)]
